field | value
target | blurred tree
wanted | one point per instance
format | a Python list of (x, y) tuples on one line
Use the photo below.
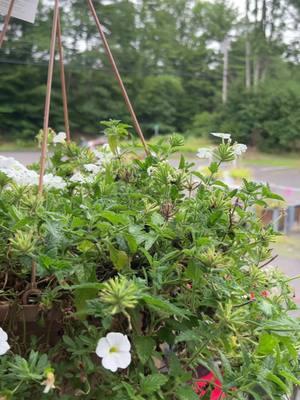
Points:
[(169, 54)]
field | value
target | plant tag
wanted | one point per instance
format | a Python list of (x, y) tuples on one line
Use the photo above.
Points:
[(22, 9)]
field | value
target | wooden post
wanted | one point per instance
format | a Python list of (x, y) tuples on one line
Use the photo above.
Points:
[(6, 22)]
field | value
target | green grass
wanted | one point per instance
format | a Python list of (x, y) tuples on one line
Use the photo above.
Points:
[(253, 158), (18, 145), (288, 246)]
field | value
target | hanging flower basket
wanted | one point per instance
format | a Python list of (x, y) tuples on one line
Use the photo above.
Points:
[(134, 279)]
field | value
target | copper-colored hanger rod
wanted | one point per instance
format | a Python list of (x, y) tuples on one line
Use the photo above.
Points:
[(6, 22), (118, 76), (48, 97), (63, 79)]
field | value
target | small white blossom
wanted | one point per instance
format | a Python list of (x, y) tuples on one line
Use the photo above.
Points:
[(24, 176), (49, 382), (224, 136), (239, 149), (78, 178), (114, 350), (54, 182), (93, 168), (103, 156), (4, 346), (205, 153), (59, 138), (151, 170)]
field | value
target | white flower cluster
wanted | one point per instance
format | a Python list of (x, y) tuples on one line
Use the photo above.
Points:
[(23, 176), (60, 138), (208, 152), (92, 170)]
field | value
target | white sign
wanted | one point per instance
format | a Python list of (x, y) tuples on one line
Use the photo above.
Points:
[(22, 9)]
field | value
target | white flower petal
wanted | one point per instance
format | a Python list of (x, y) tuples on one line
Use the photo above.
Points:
[(222, 135), (60, 138), (239, 149), (205, 153), (119, 341), (103, 348), (3, 336), (110, 362), (4, 347), (124, 359)]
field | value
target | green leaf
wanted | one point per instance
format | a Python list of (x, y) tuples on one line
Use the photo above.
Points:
[(164, 306), (115, 218), (289, 377), (153, 383), (85, 246), (186, 393), (119, 258), (273, 378), (50, 263), (145, 346), (267, 344), (132, 243), (81, 296)]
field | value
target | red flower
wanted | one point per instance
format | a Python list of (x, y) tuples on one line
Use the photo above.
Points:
[(252, 296), (210, 380), (265, 293)]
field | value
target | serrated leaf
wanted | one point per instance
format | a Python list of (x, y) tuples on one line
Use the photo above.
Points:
[(186, 393), (119, 258), (153, 383), (144, 347)]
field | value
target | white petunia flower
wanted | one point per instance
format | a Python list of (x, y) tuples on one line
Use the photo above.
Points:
[(224, 136), (77, 177), (239, 149), (114, 350), (93, 168), (54, 182), (4, 346), (60, 138), (24, 176), (205, 153), (49, 382)]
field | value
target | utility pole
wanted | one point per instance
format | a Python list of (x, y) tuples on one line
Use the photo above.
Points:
[(226, 48), (247, 50)]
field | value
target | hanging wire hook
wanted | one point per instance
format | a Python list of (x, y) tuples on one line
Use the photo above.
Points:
[(6, 22), (48, 97), (63, 78), (118, 76)]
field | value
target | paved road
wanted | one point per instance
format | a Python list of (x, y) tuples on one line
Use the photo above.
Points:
[(284, 181)]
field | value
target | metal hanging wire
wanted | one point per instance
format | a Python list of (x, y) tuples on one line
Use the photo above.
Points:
[(6, 22), (56, 34)]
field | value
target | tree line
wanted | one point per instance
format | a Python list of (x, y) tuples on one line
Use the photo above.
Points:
[(189, 66)]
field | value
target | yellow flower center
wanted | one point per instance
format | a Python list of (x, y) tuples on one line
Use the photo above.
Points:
[(113, 350)]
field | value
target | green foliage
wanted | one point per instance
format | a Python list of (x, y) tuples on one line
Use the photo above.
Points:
[(166, 256)]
